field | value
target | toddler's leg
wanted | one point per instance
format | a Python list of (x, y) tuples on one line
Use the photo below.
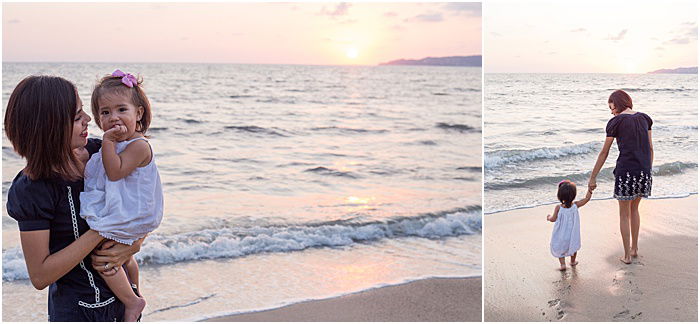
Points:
[(562, 264), (119, 284), (573, 260), (132, 272)]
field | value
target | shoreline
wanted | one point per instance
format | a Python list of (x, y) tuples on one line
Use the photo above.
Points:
[(426, 299), (675, 196), (521, 282)]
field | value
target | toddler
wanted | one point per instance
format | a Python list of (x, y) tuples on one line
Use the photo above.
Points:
[(123, 198), (566, 235)]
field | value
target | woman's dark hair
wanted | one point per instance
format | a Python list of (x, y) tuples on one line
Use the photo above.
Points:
[(621, 100), (39, 124), (110, 85), (566, 193)]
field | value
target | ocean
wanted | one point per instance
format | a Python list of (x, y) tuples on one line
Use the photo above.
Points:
[(286, 183), (542, 128)]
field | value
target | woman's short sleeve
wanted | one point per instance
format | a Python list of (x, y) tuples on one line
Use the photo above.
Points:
[(31, 203), (648, 119), (93, 145), (611, 128)]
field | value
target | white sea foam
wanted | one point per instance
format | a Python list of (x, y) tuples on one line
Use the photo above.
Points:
[(502, 157), (238, 242)]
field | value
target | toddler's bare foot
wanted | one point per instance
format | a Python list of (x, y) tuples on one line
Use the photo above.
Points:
[(562, 267), (626, 259), (133, 310), (573, 264)]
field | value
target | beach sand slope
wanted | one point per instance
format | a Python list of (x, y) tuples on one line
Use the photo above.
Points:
[(422, 300), (522, 283)]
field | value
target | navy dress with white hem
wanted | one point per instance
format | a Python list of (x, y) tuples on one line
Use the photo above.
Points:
[(54, 204), (633, 168)]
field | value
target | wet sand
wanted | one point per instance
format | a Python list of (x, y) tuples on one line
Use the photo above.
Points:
[(422, 300), (522, 283)]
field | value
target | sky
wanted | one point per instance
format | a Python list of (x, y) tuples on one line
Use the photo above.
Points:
[(589, 36), (249, 33)]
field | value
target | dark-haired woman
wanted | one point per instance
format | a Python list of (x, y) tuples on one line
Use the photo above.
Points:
[(47, 126), (632, 130)]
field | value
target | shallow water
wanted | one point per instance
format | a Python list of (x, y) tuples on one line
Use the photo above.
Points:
[(542, 128)]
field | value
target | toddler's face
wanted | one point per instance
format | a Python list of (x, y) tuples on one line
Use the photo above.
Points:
[(117, 109)]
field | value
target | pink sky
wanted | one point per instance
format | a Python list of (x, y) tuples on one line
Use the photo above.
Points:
[(274, 33)]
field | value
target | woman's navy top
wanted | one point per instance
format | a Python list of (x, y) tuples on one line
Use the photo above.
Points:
[(54, 205), (631, 132)]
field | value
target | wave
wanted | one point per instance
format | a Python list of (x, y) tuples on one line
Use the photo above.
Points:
[(655, 89), (239, 242), (470, 168), (457, 127), (350, 130), (256, 130), (332, 172), (498, 158), (666, 169)]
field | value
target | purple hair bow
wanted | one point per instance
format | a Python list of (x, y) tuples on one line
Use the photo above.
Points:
[(127, 79)]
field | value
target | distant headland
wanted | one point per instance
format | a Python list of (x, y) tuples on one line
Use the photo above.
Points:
[(474, 60), (681, 70)]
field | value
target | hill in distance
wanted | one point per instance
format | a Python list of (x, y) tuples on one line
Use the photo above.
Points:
[(680, 70), (474, 60)]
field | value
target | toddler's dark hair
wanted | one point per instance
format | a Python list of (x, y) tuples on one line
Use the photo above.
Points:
[(113, 85), (566, 193)]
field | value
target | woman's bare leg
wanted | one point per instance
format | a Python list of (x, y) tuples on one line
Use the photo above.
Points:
[(573, 260), (562, 264), (635, 222), (625, 229)]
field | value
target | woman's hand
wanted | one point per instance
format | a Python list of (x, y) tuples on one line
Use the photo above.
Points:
[(592, 185), (108, 258)]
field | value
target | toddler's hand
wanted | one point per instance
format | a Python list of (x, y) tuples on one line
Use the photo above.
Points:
[(113, 134)]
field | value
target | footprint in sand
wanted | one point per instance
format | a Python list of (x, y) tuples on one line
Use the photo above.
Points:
[(556, 304), (626, 315)]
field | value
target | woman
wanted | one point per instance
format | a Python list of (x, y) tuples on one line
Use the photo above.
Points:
[(633, 169), (47, 126)]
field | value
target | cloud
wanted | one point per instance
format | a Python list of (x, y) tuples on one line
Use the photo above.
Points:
[(658, 48), (619, 36), (14, 21), (468, 8), (431, 17), (496, 34), (578, 30), (390, 14), (685, 40), (349, 21), (687, 32), (341, 9)]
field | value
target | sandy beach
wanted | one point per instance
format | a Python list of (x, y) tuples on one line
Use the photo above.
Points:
[(522, 283), (422, 300)]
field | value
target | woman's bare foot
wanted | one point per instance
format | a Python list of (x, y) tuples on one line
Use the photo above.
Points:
[(562, 268), (573, 264), (133, 310), (626, 259), (633, 253)]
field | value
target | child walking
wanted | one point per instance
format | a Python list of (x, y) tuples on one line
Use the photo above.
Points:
[(123, 197), (566, 235)]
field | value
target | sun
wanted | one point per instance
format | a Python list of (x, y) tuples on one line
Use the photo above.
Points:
[(351, 53)]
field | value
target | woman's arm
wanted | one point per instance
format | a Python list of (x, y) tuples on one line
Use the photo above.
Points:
[(553, 218), (651, 148), (602, 156), (585, 200), (118, 166), (45, 268)]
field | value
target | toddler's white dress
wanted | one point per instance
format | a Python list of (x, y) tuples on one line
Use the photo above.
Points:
[(566, 235), (123, 210)]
